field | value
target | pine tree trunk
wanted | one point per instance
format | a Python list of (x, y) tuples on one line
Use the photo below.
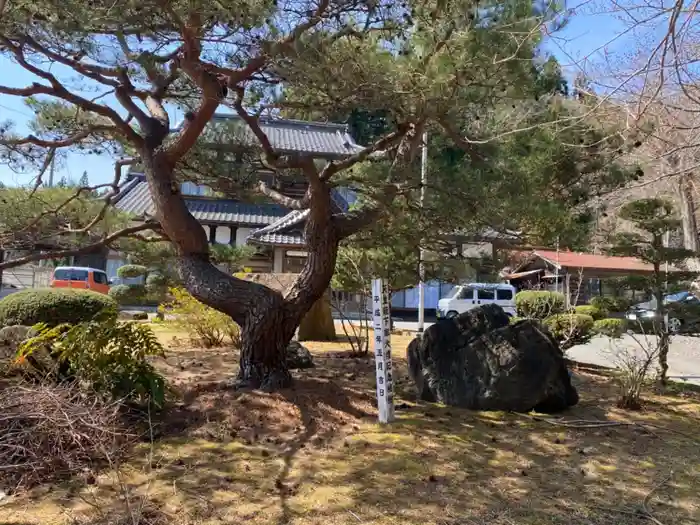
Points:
[(264, 341), (663, 354)]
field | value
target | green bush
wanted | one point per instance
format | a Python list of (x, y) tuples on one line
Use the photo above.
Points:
[(130, 271), (204, 324), (610, 327), (156, 286), (139, 316), (54, 306), (594, 311), (514, 319), (109, 355), (539, 304), (611, 304), (125, 294), (570, 329), (156, 280)]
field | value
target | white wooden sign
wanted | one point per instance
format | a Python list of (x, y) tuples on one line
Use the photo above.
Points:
[(381, 300)]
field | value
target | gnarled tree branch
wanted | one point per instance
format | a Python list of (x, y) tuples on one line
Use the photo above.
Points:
[(87, 248)]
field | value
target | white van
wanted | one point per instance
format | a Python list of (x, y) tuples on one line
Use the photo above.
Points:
[(468, 296)]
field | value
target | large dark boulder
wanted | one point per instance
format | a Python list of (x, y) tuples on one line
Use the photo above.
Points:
[(480, 361)]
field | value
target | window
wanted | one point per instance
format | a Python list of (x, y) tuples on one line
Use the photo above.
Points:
[(70, 275), (100, 277), (466, 293), (504, 295), (486, 294)]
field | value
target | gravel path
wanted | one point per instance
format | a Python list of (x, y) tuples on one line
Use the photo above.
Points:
[(683, 358)]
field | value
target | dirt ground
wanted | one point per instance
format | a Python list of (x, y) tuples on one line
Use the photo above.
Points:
[(315, 455)]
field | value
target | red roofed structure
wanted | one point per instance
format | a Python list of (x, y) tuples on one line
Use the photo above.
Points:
[(591, 261), (578, 275)]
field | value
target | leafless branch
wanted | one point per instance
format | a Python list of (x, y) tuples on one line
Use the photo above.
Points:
[(87, 248), (58, 90)]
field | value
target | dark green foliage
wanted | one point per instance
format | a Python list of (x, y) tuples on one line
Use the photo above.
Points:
[(230, 257), (130, 271), (156, 280), (614, 328), (125, 294), (570, 329), (156, 286), (653, 218), (611, 304), (54, 307), (111, 356), (139, 316), (596, 312), (534, 304)]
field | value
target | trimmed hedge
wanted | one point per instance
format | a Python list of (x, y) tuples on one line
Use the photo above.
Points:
[(54, 306), (124, 294), (611, 304), (594, 311), (156, 280), (614, 328), (539, 304), (570, 329), (129, 271)]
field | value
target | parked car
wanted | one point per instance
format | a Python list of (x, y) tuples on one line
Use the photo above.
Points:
[(80, 277), (468, 296), (683, 312)]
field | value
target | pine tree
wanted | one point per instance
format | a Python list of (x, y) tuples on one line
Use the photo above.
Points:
[(653, 219), (458, 69)]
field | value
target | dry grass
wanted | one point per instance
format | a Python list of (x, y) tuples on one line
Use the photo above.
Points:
[(314, 455)]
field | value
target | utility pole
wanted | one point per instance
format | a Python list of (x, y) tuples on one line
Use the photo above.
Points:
[(421, 252)]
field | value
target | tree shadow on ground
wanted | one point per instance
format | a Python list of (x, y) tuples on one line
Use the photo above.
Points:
[(315, 455)]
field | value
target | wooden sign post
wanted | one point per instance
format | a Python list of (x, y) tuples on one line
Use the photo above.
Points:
[(382, 349)]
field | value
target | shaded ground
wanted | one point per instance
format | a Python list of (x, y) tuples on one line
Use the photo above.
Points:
[(314, 455)]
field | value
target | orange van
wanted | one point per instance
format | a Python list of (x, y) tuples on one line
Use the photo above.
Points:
[(81, 278)]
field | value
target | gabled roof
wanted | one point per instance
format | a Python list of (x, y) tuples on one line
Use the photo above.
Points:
[(318, 139), (285, 231), (574, 260), (135, 198)]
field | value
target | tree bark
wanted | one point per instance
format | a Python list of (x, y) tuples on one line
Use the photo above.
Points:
[(268, 319), (687, 208), (661, 326), (265, 337)]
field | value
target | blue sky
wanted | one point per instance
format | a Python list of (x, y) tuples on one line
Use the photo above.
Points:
[(583, 34)]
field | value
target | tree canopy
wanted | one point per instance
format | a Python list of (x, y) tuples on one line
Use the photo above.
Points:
[(112, 80)]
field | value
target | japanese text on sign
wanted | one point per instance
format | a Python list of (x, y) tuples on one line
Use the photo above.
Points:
[(382, 349)]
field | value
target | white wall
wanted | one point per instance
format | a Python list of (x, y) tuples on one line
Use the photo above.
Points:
[(242, 236), (206, 230), (277, 260), (223, 234)]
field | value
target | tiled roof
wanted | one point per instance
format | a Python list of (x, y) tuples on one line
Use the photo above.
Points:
[(136, 199), (324, 140), (292, 239), (565, 259), (279, 232)]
